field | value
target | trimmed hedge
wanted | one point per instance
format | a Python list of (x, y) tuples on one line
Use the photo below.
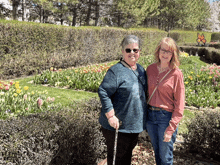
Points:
[(70, 136), (28, 48), (209, 54), (215, 37), (184, 37), (204, 134)]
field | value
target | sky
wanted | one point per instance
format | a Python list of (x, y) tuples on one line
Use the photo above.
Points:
[(212, 1)]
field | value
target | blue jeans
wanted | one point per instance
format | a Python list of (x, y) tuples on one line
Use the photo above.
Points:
[(157, 123)]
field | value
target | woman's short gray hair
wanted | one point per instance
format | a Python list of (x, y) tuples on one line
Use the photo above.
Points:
[(130, 39)]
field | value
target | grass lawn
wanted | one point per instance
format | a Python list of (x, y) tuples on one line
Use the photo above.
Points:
[(63, 96)]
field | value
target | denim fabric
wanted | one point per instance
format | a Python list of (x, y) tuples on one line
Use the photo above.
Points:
[(157, 123)]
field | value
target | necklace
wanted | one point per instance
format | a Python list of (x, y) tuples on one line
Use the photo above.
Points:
[(161, 70)]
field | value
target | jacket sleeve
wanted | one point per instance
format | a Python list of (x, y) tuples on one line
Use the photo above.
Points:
[(107, 89)]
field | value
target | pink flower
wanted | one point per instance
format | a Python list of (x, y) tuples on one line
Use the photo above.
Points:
[(211, 67), (39, 102), (7, 88), (26, 108), (210, 73), (216, 76), (48, 99), (25, 97)]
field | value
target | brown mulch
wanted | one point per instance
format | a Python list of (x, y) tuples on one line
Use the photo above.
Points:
[(143, 154)]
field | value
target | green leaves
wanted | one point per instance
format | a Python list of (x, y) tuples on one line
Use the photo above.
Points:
[(84, 78), (138, 9)]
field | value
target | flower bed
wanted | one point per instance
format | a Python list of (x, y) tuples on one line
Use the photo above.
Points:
[(16, 100), (201, 81)]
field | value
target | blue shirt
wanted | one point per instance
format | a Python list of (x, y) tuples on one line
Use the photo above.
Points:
[(124, 92)]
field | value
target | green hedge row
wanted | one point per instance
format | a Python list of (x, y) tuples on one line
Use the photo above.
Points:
[(184, 37), (26, 48), (67, 136), (208, 54), (216, 37)]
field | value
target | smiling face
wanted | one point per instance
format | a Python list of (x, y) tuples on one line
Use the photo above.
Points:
[(131, 53), (165, 53)]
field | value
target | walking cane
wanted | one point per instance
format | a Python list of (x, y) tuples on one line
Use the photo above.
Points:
[(116, 141), (115, 145)]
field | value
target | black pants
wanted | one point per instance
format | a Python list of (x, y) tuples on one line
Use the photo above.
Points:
[(125, 145)]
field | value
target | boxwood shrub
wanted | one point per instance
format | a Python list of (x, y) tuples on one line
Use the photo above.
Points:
[(69, 136), (204, 134)]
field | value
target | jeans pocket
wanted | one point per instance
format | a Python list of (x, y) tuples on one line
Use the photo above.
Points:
[(165, 115)]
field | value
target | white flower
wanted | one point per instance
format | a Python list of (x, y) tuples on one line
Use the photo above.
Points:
[(2, 93)]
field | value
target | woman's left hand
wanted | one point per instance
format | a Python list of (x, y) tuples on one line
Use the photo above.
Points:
[(167, 137)]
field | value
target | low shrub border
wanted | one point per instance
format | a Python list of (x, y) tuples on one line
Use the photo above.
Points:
[(69, 136)]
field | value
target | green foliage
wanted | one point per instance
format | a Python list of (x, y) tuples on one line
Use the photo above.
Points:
[(69, 136), (86, 78), (28, 48), (203, 135), (202, 86), (138, 9), (17, 100), (193, 13), (215, 37), (183, 37)]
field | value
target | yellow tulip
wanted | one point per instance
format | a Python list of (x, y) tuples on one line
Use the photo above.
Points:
[(16, 86), (18, 91)]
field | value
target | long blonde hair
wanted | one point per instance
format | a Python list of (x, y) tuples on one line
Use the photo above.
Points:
[(174, 63)]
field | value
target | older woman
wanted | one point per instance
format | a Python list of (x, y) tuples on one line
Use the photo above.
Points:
[(166, 100), (122, 94)]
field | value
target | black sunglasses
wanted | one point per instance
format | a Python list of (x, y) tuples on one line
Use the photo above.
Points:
[(129, 50)]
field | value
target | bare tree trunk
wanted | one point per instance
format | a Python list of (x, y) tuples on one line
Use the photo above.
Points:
[(41, 15), (96, 13), (119, 19), (159, 23), (88, 13), (74, 16), (61, 19), (24, 10), (61, 16), (15, 4)]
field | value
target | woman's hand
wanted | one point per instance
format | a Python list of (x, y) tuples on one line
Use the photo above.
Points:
[(167, 137), (113, 122)]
